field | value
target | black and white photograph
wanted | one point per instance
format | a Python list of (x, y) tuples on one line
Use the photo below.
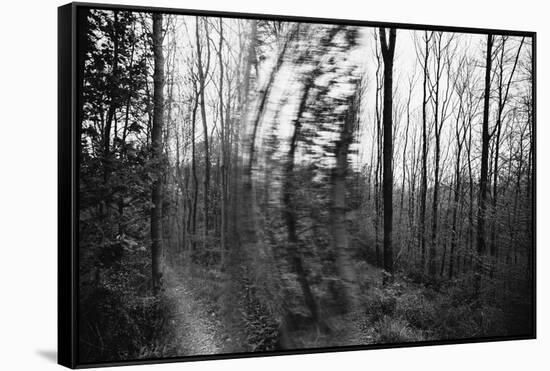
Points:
[(261, 185), (213, 185)]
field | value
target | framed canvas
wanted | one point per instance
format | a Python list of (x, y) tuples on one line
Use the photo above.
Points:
[(237, 185)]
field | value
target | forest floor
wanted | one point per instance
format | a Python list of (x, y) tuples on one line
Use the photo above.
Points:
[(193, 321), (397, 312)]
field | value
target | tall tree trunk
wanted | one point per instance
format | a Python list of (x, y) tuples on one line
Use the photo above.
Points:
[(437, 159), (377, 177), (424, 173), (195, 176), (203, 71), (223, 150), (413, 171), (404, 159), (156, 147), (446, 224), (482, 207), (113, 93), (111, 113), (456, 199), (388, 49), (471, 224), (125, 133), (497, 131)]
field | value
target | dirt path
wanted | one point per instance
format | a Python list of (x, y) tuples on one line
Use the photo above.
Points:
[(196, 332)]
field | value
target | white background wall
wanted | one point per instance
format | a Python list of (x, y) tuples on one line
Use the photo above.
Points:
[(28, 158)]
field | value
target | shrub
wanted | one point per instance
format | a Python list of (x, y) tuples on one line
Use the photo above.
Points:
[(262, 329), (457, 322), (417, 310), (116, 326), (395, 330), (379, 303)]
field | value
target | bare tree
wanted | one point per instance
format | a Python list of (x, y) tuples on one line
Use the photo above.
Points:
[(485, 138), (203, 67), (424, 172), (441, 102), (503, 90), (388, 50)]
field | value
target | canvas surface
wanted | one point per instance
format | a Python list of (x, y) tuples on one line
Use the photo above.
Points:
[(255, 185)]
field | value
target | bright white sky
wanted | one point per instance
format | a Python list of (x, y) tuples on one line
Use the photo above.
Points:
[(406, 67)]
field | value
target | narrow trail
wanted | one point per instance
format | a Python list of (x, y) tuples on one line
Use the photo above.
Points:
[(195, 330)]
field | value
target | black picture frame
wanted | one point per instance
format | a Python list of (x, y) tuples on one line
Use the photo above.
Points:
[(68, 163)]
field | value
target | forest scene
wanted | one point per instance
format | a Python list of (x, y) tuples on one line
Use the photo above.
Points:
[(253, 185)]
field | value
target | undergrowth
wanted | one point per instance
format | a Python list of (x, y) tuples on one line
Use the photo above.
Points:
[(403, 311)]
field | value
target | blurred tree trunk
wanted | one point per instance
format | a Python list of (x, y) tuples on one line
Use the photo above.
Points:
[(289, 212), (264, 94), (258, 263), (242, 232), (338, 228)]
